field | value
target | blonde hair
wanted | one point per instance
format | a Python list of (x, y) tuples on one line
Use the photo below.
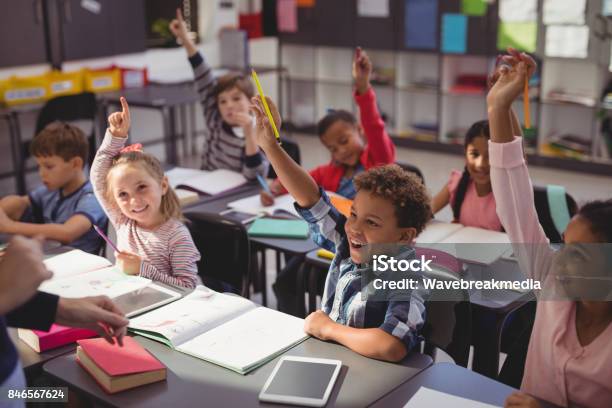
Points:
[(170, 206)]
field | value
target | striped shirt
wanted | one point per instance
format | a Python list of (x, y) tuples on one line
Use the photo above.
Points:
[(223, 148), (168, 253), (342, 297)]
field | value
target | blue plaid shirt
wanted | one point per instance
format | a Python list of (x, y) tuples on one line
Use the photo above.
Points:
[(342, 299)]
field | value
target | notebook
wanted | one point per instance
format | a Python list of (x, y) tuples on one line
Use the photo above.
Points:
[(277, 228), (57, 336), (77, 274), (253, 205), (426, 397), (205, 182), (117, 368), (226, 330), (186, 197), (462, 242)]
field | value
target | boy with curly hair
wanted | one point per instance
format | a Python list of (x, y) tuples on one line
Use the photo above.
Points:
[(391, 207)]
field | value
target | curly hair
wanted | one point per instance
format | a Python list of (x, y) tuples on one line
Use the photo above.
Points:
[(60, 139), (404, 189), (170, 205)]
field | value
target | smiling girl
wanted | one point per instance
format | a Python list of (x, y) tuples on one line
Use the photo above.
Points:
[(143, 208), (469, 193)]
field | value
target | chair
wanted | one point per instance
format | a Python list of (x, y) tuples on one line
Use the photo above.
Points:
[(82, 106), (292, 149), (412, 169), (544, 201), (225, 249)]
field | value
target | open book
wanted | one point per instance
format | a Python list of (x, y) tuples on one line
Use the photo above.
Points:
[(77, 273), (253, 205), (205, 182), (226, 330), (462, 242)]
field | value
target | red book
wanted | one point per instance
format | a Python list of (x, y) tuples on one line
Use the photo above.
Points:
[(57, 336), (118, 368)]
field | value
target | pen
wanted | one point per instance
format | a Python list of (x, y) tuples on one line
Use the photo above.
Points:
[(265, 104), (263, 184), (104, 237)]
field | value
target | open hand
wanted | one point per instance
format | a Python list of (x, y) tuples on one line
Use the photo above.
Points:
[(119, 122), (362, 70), (509, 79)]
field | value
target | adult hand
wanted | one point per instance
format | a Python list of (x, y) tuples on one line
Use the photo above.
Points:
[(21, 272), (97, 313)]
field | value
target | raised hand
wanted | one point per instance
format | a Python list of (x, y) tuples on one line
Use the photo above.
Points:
[(119, 122), (362, 70), (264, 135), (178, 26), (508, 81)]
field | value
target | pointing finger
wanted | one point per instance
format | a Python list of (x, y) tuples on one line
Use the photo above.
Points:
[(125, 109)]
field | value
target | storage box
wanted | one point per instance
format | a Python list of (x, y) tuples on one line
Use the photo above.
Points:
[(65, 83), (24, 90), (133, 77), (100, 80)]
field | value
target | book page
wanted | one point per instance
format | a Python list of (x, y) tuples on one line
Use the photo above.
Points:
[(248, 340), (253, 205), (215, 182), (180, 175), (198, 312), (73, 263), (466, 249), (108, 281), (436, 231)]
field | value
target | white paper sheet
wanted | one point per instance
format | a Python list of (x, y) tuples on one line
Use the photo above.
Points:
[(74, 262), (198, 312), (248, 339), (518, 11), (373, 8), (426, 397), (108, 281), (180, 175), (253, 205), (567, 41), (436, 231), (215, 182), (564, 11)]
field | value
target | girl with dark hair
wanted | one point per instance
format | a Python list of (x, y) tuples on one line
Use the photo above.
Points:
[(469, 193)]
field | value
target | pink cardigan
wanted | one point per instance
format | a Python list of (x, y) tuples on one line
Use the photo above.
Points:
[(558, 369)]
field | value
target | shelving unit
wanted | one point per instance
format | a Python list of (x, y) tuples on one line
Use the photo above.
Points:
[(418, 100)]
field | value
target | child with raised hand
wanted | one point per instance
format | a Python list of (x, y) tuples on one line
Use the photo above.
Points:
[(343, 136), (225, 103), (469, 192), (143, 208), (390, 206), (569, 359)]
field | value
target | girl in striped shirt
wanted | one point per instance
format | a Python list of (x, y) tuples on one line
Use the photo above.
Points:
[(143, 209)]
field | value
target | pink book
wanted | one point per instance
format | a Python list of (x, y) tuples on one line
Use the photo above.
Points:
[(57, 336)]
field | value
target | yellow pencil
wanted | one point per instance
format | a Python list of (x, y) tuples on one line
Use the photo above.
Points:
[(526, 104), (265, 104)]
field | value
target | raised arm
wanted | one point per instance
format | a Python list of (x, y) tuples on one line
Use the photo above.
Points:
[(380, 146), (296, 180), (179, 29), (509, 175), (114, 140)]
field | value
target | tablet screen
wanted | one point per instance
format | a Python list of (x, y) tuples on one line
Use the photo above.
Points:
[(301, 379), (134, 302)]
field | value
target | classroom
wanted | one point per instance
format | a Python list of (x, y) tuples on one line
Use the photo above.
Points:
[(325, 203)]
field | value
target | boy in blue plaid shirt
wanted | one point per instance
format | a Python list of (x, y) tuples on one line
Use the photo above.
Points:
[(391, 206)]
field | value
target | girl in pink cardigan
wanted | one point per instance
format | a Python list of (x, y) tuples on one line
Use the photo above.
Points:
[(569, 360)]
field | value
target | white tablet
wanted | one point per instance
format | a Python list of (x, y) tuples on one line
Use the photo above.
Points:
[(145, 299), (301, 381)]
